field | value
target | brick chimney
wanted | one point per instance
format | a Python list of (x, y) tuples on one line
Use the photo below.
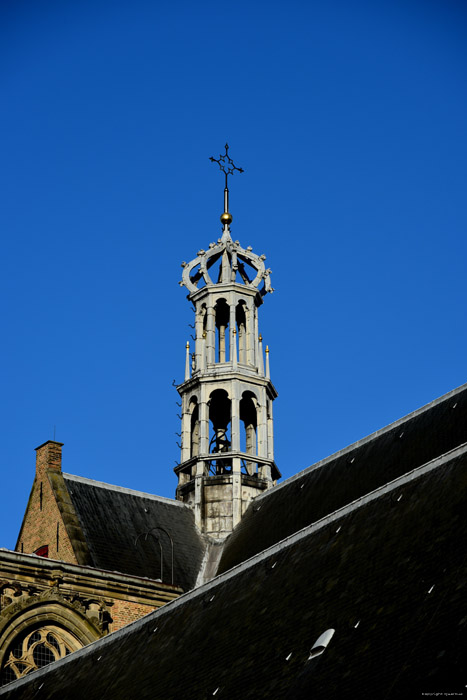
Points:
[(49, 456)]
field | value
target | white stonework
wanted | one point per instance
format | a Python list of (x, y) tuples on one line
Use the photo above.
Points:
[(227, 452)]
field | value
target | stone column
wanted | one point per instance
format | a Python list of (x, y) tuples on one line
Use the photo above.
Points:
[(262, 429), (211, 335), (270, 433), (203, 352), (233, 349), (199, 345), (203, 423), (198, 504), (235, 418), (186, 429), (232, 324), (256, 360), (250, 332), (187, 362), (259, 359), (236, 491)]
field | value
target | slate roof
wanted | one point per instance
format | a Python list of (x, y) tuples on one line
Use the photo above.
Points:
[(387, 572), (115, 521), (349, 474)]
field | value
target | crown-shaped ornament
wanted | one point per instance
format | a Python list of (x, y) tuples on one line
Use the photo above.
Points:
[(237, 264)]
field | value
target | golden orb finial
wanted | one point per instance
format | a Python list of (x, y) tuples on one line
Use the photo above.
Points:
[(226, 218)]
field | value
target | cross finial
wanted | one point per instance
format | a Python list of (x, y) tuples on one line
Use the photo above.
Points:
[(226, 164), (228, 167)]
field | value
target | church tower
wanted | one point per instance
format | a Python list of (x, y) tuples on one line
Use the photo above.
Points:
[(227, 452)]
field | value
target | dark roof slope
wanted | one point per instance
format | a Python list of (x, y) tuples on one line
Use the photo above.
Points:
[(388, 573), (115, 522), (361, 468)]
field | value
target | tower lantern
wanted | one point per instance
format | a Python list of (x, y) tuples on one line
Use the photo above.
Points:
[(227, 452)]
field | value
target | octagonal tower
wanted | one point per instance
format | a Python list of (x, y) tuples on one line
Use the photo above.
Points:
[(227, 452)]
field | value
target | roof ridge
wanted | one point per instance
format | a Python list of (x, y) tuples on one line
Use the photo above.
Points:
[(363, 441), (122, 489)]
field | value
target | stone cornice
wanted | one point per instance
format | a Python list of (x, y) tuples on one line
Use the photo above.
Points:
[(33, 570)]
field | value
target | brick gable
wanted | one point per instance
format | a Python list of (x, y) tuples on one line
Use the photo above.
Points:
[(44, 522)]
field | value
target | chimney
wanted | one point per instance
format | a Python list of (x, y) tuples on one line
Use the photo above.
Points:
[(49, 456)]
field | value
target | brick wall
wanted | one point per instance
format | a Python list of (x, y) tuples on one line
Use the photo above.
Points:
[(124, 611), (39, 528), (43, 524)]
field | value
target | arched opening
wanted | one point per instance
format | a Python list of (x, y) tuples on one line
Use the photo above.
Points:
[(194, 427), (246, 270), (248, 415), (219, 428), (196, 276), (240, 316), (222, 315)]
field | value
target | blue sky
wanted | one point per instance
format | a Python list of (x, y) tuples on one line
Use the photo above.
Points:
[(349, 120)]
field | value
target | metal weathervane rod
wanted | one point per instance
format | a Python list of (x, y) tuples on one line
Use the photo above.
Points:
[(228, 167)]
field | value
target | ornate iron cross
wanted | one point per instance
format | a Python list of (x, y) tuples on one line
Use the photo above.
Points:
[(226, 164)]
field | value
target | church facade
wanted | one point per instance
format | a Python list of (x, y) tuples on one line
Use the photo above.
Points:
[(346, 580)]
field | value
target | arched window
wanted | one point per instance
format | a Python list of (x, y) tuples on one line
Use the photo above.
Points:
[(220, 417), (248, 414), (194, 427), (241, 331), (42, 551), (36, 648), (222, 324)]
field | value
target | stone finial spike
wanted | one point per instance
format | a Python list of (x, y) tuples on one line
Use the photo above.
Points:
[(187, 361), (260, 357), (268, 374)]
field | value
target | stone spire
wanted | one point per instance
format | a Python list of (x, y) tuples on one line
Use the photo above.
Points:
[(227, 453)]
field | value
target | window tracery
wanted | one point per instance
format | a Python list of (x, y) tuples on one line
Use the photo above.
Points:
[(37, 648)]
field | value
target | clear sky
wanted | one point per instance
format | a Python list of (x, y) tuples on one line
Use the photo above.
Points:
[(349, 119)]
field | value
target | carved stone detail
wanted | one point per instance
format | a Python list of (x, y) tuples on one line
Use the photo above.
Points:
[(37, 649)]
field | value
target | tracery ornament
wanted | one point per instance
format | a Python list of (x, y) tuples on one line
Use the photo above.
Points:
[(45, 626), (35, 649)]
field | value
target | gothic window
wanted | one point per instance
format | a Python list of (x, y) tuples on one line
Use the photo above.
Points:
[(248, 414), (194, 427), (34, 649), (222, 312), (219, 416), (42, 551), (241, 331)]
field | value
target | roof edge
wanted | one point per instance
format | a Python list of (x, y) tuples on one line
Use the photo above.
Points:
[(123, 489), (364, 441), (218, 580)]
